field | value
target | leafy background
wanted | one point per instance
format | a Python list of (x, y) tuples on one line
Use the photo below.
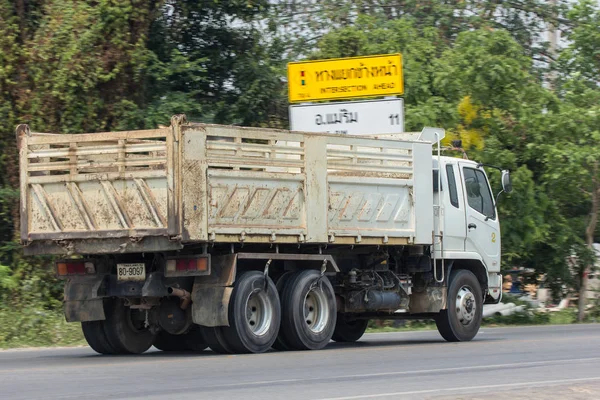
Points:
[(484, 70)]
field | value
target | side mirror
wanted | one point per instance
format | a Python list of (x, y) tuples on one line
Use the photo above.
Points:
[(506, 182)]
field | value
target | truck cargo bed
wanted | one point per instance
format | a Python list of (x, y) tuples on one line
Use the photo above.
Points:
[(157, 190)]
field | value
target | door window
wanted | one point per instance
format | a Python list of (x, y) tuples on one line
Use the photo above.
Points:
[(479, 196), (452, 185)]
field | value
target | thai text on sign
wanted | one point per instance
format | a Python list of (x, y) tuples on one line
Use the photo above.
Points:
[(342, 78)]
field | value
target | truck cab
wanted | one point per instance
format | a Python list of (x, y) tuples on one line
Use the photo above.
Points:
[(470, 224)]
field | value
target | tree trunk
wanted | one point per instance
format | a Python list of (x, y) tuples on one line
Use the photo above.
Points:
[(582, 290)]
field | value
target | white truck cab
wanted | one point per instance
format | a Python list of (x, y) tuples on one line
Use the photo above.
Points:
[(470, 224)]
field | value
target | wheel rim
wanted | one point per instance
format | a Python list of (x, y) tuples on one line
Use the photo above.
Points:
[(259, 312), (316, 311), (466, 305)]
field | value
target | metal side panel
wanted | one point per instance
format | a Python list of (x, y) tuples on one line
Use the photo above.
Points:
[(316, 188), (194, 185), (100, 185), (370, 190), (423, 193), (370, 207), (256, 203)]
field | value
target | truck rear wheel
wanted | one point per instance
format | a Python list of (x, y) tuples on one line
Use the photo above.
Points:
[(166, 342), (94, 334), (213, 336), (254, 314), (192, 340), (349, 330), (309, 311), (125, 329), (461, 321), (280, 343)]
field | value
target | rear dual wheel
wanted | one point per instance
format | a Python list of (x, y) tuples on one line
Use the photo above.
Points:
[(94, 334), (190, 341), (254, 317), (309, 311), (297, 314), (122, 332)]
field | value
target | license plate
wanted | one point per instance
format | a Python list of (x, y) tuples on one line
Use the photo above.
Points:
[(131, 272)]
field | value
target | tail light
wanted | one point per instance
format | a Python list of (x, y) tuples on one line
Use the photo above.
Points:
[(67, 268), (188, 266)]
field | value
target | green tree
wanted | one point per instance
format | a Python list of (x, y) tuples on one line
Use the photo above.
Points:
[(572, 160), (103, 65)]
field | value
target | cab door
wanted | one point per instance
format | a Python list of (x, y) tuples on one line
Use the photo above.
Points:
[(483, 228)]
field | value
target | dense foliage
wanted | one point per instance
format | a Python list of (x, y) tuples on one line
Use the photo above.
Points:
[(484, 70)]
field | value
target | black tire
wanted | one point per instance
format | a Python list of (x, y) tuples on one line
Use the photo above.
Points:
[(194, 340), (349, 330), (190, 341), (125, 333), (94, 334), (453, 324), (254, 314), (280, 343), (213, 337), (303, 289), (166, 342)]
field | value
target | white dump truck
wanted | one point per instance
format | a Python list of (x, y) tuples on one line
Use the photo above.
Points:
[(243, 239)]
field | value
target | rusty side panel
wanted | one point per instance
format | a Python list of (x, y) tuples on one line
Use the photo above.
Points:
[(106, 245), (194, 188), (93, 186), (267, 186), (193, 183)]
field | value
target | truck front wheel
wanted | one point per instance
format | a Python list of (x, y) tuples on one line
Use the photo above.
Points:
[(461, 321)]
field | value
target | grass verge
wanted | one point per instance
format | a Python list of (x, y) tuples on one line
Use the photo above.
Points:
[(31, 327), (37, 327)]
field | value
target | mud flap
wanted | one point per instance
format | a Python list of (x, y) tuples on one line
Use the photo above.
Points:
[(84, 310), (211, 293), (82, 302), (210, 305)]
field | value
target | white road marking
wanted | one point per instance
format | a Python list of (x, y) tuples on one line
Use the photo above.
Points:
[(465, 388), (413, 372)]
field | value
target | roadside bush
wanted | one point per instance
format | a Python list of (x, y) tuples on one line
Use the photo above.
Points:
[(31, 307), (31, 327), (399, 325), (530, 317), (593, 314)]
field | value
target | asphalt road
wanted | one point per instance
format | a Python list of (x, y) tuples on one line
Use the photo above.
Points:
[(549, 362)]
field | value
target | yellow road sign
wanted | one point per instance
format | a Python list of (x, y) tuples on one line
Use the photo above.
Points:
[(343, 78)]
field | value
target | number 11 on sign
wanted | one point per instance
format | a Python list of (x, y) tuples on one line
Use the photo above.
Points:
[(394, 119)]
